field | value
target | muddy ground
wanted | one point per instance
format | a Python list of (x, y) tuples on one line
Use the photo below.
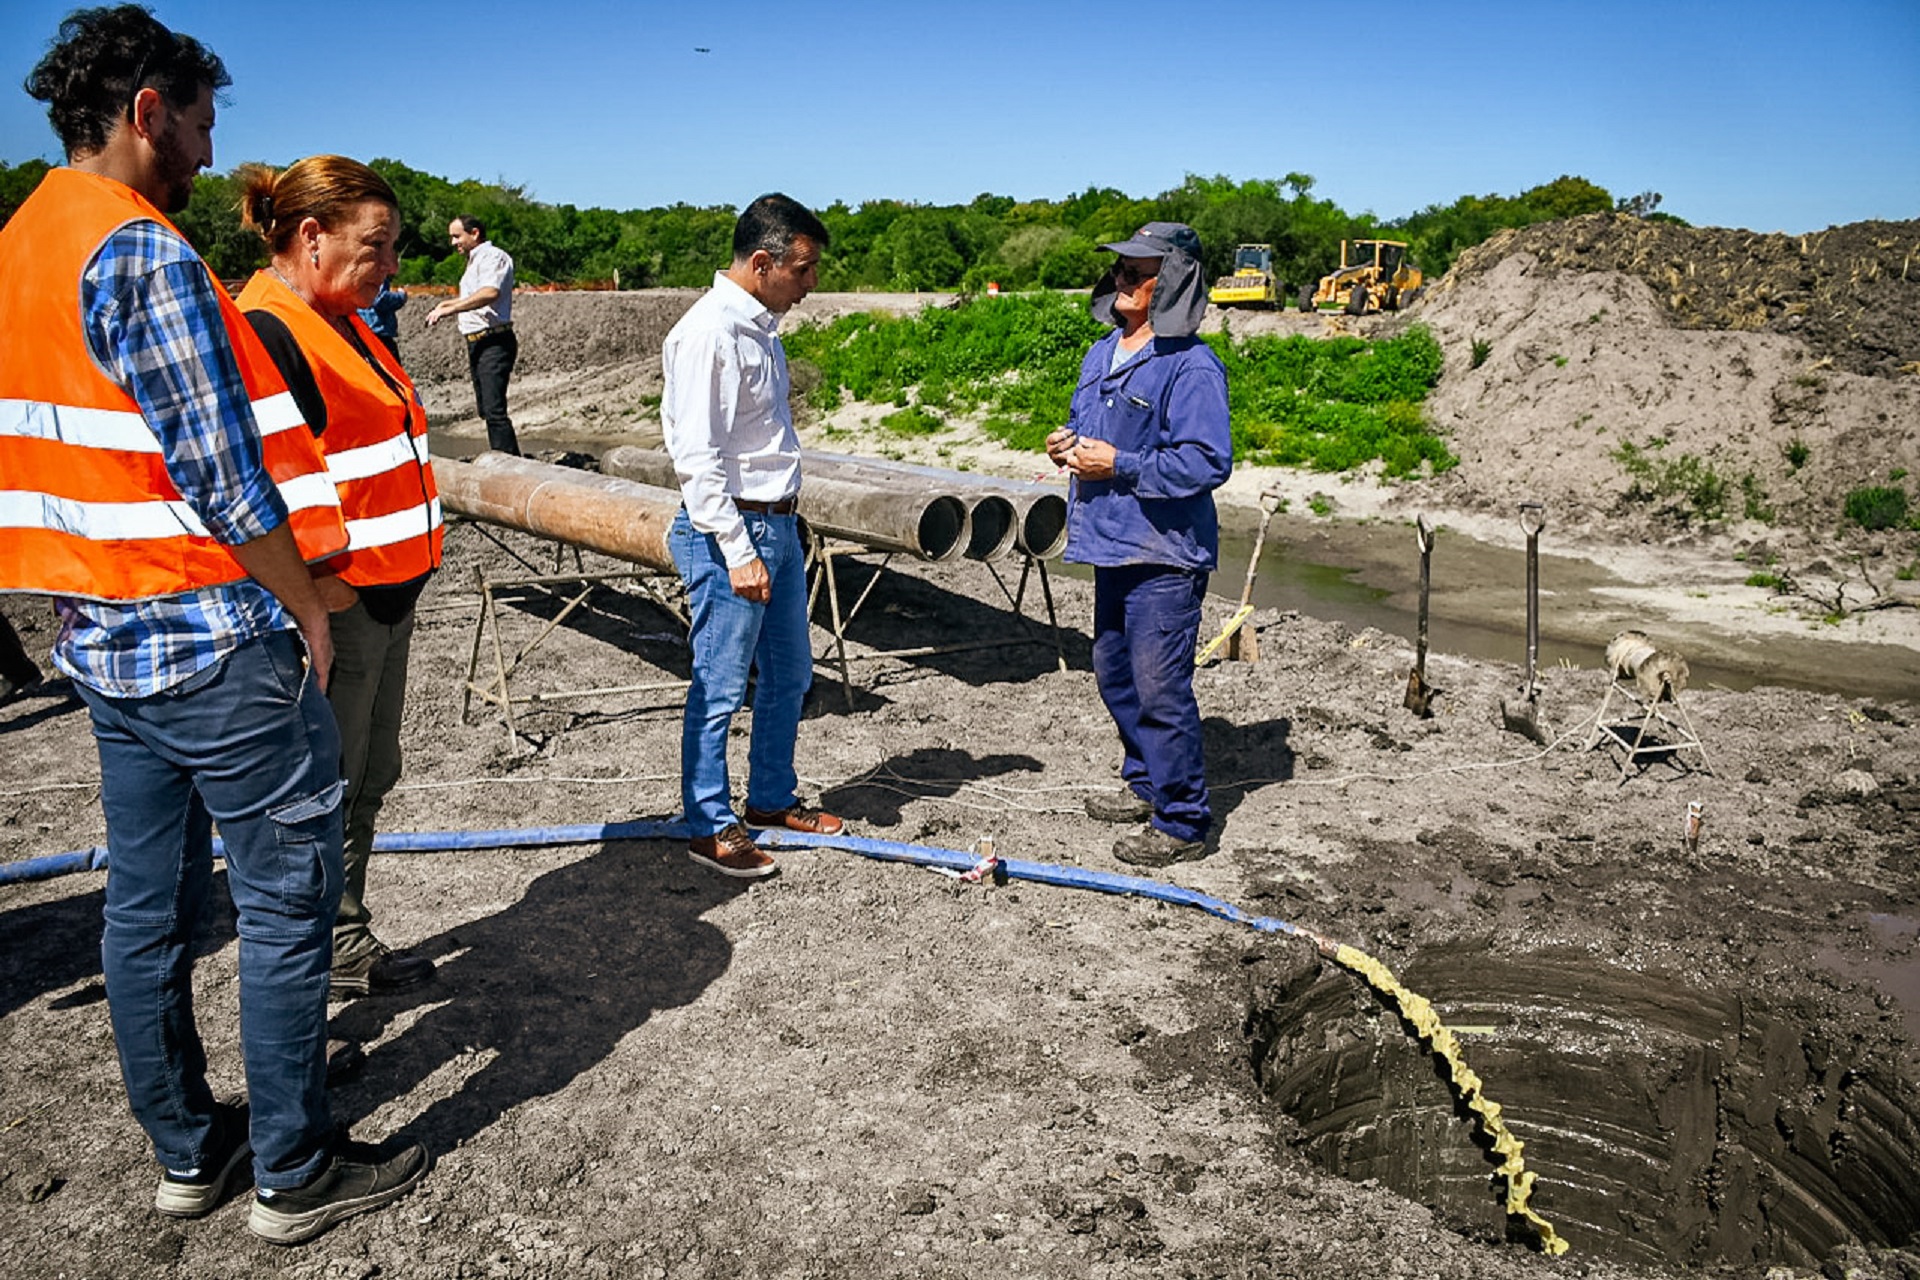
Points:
[(628, 1067)]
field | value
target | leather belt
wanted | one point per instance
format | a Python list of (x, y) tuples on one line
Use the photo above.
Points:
[(784, 507), (489, 331)]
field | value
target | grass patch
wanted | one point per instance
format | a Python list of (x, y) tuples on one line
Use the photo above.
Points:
[(1481, 350), (1877, 507), (1329, 405), (1688, 478), (1772, 581), (1797, 453), (914, 420)]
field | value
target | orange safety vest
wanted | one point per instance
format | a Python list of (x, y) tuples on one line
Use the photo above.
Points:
[(375, 442), (87, 508)]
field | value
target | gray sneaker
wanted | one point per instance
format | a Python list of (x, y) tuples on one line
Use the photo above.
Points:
[(360, 1177), (195, 1193), (1124, 805)]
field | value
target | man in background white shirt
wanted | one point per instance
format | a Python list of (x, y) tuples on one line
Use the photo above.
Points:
[(485, 308), (735, 540)]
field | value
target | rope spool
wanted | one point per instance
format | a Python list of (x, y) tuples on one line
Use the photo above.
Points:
[(1657, 673)]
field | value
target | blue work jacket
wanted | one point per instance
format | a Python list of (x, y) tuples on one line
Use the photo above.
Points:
[(1165, 413)]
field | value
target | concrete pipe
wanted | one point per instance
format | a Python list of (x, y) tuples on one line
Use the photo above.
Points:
[(1040, 512), (993, 521), (618, 518), (919, 521)]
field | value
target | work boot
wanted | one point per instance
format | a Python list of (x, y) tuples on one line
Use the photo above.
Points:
[(1124, 805), (197, 1192), (732, 852), (357, 1178), (796, 817), (344, 1058), (379, 970), (1152, 847)]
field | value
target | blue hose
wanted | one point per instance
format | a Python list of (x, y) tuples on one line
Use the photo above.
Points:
[(1049, 873)]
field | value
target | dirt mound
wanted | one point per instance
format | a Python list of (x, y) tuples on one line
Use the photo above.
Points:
[(1850, 293), (1649, 380)]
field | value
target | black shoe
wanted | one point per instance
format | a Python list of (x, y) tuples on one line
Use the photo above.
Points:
[(359, 1177), (381, 969), (344, 1058), (195, 1193), (1124, 805), (1152, 847)]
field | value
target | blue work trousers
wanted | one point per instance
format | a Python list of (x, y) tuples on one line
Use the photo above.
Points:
[(248, 743), (1146, 623), (731, 635)]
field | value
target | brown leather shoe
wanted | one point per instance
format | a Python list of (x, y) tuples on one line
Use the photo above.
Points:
[(796, 817), (732, 852)]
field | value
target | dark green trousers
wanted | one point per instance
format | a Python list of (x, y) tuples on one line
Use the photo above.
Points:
[(368, 691)]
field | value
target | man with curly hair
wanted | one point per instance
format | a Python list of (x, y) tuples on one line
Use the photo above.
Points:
[(158, 481)]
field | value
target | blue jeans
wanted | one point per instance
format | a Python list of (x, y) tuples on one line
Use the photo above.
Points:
[(729, 635), (248, 743), (1146, 623)]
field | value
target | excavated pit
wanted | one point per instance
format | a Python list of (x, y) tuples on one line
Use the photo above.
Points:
[(1665, 1124)]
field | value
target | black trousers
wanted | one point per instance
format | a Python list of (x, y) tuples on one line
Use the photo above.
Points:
[(490, 361), (16, 667)]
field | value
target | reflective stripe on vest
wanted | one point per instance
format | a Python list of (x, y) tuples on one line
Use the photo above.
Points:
[(87, 507), (375, 441)]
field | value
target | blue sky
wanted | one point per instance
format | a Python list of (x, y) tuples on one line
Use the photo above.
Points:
[(1767, 115)]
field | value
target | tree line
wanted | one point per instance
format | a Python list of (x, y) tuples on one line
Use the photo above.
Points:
[(889, 244)]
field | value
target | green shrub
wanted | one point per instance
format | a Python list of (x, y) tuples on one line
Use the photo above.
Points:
[(912, 421), (1481, 350), (1330, 405), (1877, 507), (1754, 499), (1687, 476), (1797, 453), (1771, 580)]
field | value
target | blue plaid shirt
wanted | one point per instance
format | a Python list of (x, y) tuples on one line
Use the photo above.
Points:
[(152, 322)]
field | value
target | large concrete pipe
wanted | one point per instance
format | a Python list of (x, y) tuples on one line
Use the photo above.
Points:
[(992, 519), (618, 518), (1040, 513), (922, 522)]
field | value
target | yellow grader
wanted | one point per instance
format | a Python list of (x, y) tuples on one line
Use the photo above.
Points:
[(1374, 275)]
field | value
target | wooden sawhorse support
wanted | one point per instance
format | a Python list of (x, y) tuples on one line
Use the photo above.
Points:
[(497, 691), (1664, 710), (820, 561)]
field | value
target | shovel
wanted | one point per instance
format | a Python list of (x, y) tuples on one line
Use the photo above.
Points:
[(1243, 645), (1419, 699), (1522, 716)]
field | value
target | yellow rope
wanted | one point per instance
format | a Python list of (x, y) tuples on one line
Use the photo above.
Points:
[(1418, 1010)]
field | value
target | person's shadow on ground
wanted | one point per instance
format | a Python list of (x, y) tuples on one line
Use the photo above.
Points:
[(1242, 758), (547, 986), (55, 944), (878, 796)]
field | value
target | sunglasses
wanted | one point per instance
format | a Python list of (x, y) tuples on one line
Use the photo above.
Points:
[(1128, 272)]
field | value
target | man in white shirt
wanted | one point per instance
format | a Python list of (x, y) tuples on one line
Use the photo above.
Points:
[(735, 541), (485, 311)]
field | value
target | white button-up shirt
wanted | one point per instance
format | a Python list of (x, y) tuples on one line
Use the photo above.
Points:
[(725, 413), (488, 264)]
